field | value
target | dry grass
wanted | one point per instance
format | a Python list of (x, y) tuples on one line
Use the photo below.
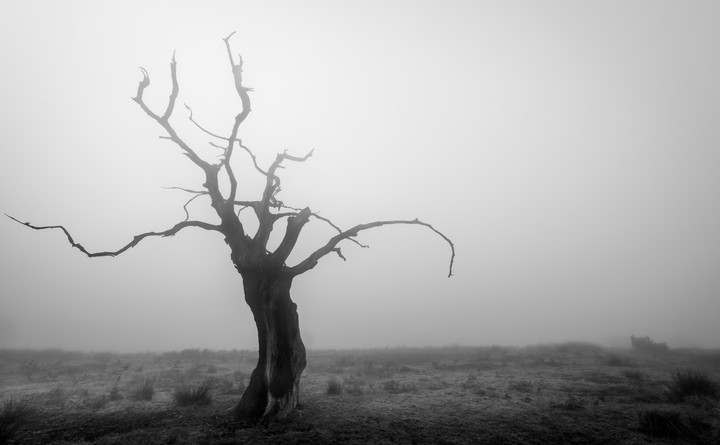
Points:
[(691, 383), (334, 387), (13, 415), (145, 391), (199, 394), (664, 424), (568, 393)]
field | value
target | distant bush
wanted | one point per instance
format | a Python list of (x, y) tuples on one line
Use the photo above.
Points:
[(692, 383), (334, 387), (646, 344), (194, 395), (12, 417), (145, 391)]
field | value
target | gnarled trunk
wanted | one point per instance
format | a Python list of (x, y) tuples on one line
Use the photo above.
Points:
[(274, 388)]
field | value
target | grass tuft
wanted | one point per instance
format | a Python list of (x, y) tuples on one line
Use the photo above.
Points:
[(334, 387), (146, 391), (692, 383), (194, 395), (13, 415), (664, 424)]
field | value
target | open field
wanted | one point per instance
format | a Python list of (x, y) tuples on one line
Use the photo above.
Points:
[(565, 393)]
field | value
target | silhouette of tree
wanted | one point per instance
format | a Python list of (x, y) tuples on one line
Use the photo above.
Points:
[(273, 390)]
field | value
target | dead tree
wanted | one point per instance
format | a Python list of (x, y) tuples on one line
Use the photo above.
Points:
[(273, 390)]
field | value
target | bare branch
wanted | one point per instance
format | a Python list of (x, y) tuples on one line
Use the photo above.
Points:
[(321, 218), (339, 252), (273, 181), (245, 100), (136, 239), (175, 90), (187, 214), (240, 210), (164, 119), (252, 155), (144, 83), (203, 128), (294, 226), (227, 45), (313, 259), (272, 186), (224, 148), (199, 192), (288, 157)]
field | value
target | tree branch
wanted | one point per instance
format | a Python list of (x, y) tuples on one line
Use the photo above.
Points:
[(175, 90), (187, 213), (272, 186), (201, 127), (245, 100), (273, 181), (295, 224), (164, 119), (313, 259), (198, 192), (136, 239), (321, 218)]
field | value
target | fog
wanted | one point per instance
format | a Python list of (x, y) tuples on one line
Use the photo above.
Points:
[(570, 150)]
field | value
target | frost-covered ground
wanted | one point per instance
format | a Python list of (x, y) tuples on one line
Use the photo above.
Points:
[(565, 393)]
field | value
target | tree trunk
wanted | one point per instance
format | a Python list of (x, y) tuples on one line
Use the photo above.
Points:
[(274, 388)]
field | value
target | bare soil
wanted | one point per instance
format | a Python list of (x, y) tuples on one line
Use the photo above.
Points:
[(572, 393)]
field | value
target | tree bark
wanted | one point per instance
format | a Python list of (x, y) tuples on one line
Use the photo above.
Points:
[(274, 388)]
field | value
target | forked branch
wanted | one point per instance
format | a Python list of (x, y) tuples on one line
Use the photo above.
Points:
[(136, 239), (164, 120), (272, 187), (329, 222), (313, 259)]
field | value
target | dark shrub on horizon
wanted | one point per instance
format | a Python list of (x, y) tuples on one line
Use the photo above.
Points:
[(646, 344)]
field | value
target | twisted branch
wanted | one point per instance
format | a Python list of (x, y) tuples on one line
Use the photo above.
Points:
[(313, 259), (136, 239)]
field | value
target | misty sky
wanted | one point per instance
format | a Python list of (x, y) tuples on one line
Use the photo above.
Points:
[(571, 150)]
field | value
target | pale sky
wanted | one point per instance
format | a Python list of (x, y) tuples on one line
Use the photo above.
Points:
[(571, 150)]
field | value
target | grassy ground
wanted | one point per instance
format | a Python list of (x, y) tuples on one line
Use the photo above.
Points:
[(566, 393)]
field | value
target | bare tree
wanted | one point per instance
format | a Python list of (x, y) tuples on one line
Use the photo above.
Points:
[(273, 390)]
